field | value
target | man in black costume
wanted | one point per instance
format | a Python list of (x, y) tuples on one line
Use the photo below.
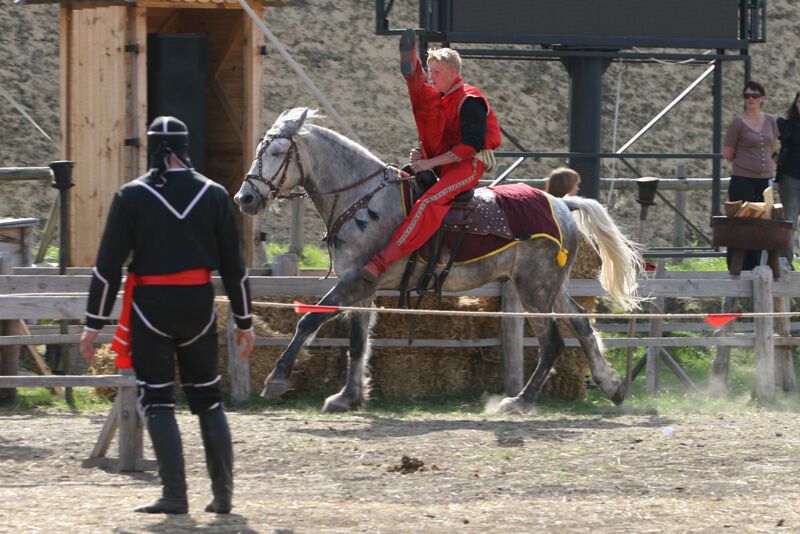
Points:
[(176, 226)]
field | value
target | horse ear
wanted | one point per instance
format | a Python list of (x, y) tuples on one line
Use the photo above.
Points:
[(295, 125)]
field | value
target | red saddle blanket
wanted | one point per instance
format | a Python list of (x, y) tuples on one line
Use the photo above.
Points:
[(527, 215)]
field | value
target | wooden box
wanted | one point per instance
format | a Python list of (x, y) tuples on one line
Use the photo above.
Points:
[(16, 239), (751, 234)]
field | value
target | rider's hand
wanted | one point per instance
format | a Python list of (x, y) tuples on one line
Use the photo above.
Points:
[(87, 345), (245, 341), (415, 155), (421, 165)]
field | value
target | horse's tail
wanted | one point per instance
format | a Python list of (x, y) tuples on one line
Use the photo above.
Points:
[(622, 259)]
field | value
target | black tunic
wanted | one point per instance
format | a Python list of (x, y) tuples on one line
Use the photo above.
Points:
[(185, 223)]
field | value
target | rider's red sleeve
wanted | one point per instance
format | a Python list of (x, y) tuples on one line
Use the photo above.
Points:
[(463, 151)]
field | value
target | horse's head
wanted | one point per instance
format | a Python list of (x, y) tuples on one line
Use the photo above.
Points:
[(277, 167)]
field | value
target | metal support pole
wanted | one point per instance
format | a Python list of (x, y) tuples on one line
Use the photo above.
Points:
[(585, 118), (62, 180), (716, 164), (679, 237)]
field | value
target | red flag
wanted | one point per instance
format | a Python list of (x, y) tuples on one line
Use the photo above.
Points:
[(721, 319), (299, 307)]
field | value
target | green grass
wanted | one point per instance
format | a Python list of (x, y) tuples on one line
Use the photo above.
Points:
[(313, 257), (42, 400), (699, 264)]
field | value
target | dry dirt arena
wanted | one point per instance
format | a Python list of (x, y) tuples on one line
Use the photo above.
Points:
[(548, 472)]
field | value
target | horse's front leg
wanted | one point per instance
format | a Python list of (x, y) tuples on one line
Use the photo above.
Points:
[(278, 380), (350, 289), (355, 392)]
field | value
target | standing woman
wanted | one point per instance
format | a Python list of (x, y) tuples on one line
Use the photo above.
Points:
[(750, 141), (787, 173)]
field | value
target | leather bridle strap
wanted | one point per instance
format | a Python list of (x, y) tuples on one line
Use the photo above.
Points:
[(280, 174)]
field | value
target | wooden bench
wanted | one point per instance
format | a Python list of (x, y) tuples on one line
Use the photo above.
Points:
[(124, 416)]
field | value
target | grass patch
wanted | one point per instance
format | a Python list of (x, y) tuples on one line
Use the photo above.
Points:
[(42, 400), (313, 257)]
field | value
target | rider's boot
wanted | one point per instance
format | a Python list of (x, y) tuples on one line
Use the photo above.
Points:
[(219, 459), (380, 262), (409, 61), (166, 438)]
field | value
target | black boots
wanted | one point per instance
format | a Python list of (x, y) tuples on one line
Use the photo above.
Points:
[(408, 53), (219, 459), (166, 438)]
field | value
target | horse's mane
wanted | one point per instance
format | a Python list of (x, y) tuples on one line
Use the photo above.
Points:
[(313, 116)]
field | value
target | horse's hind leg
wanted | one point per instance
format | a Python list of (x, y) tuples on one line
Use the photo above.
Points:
[(346, 292), (355, 392), (550, 346), (606, 377)]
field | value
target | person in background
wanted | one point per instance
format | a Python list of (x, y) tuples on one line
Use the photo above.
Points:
[(177, 226), (563, 182), (750, 142), (787, 171)]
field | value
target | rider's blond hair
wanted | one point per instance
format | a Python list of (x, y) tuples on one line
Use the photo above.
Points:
[(448, 56)]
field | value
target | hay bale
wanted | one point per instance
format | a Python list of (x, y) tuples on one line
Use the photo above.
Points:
[(104, 364)]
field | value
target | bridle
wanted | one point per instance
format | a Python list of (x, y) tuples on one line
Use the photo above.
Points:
[(280, 174), (332, 225)]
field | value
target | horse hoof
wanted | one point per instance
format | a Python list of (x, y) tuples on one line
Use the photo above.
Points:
[(274, 388), (514, 405), (338, 403), (619, 395)]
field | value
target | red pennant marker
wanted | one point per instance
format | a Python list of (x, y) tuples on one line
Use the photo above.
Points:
[(721, 319), (299, 307)]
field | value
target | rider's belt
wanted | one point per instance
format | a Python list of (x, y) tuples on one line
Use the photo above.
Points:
[(122, 336), (487, 158)]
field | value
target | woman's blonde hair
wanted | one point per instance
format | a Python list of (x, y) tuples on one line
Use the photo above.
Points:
[(448, 56), (561, 181)]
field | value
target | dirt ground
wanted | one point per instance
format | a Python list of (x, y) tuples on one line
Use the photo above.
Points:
[(548, 472)]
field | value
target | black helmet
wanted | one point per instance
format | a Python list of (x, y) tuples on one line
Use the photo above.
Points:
[(167, 135)]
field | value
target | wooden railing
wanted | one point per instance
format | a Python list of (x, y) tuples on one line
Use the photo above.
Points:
[(29, 296)]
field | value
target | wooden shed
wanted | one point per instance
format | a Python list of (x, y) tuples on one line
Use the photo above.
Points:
[(107, 97)]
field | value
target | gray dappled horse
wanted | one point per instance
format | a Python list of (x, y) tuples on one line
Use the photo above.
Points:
[(342, 177)]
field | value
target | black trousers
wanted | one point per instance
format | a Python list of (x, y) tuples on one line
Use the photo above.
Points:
[(169, 322), (751, 190)]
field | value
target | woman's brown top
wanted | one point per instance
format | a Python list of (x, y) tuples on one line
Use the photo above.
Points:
[(752, 156)]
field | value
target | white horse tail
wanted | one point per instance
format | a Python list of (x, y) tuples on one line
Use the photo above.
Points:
[(621, 257)]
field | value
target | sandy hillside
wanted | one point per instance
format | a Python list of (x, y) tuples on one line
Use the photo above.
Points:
[(357, 70)]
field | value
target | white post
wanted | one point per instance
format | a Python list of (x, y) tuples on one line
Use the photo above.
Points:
[(764, 388), (785, 377), (238, 369)]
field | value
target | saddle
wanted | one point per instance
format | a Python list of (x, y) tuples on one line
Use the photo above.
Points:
[(474, 211)]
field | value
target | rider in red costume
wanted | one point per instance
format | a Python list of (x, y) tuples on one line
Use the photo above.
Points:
[(457, 131)]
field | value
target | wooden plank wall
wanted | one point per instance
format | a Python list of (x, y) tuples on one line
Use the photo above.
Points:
[(94, 102)]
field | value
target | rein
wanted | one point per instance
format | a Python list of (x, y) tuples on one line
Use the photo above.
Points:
[(275, 189)]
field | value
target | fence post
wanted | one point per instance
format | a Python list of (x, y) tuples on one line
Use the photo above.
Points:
[(764, 388), (656, 330), (285, 265), (784, 366), (131, 446), (9, 356), (238, 369), (512, 327)]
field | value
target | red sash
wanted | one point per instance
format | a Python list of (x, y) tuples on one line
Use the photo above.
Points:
[(122, 336)]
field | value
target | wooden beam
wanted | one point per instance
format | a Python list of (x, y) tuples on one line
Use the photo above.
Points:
[(32, 381)]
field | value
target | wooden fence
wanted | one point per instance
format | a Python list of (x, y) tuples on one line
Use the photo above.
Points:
[(29, 296)]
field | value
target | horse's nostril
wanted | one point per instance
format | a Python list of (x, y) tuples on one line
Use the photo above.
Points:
[(246, 199)]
